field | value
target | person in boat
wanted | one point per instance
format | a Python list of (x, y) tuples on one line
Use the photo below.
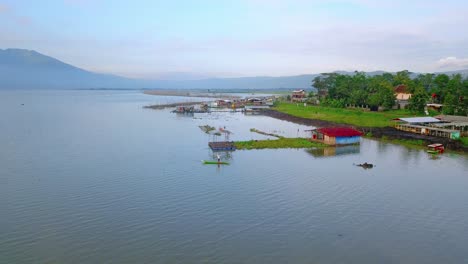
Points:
[(219, 158)]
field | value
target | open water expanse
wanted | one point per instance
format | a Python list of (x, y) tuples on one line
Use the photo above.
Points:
[(92, 177)]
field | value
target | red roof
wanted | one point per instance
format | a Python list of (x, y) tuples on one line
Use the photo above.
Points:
[(401, 88), (339, 131)]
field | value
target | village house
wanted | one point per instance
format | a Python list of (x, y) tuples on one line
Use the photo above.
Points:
[(402, 96), (223, 103), (336, 135), (255, 101), (298, 96)]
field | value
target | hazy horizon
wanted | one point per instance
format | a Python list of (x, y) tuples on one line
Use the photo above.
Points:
[(161, 40)]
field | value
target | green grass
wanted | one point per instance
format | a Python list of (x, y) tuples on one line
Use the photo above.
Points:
[(277, 144), (464, 140), (354, 117), (406, 142)]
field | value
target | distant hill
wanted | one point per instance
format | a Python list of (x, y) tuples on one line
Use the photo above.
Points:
[(28, 69), (463, 73), (24, 69)]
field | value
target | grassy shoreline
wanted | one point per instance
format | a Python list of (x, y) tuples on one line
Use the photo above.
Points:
[(277, 144), (414, 143), (378, 125), (355, 117)]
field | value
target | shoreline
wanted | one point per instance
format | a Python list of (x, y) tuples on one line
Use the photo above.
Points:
[(163, 106), (381, 133), (190, 93)]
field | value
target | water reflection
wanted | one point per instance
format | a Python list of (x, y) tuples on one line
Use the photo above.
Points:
[(334, 151), (224, 155), (130, 188)]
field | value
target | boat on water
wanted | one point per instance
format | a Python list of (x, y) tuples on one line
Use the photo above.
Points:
[(366, 165), (215, 162), (436, 148)]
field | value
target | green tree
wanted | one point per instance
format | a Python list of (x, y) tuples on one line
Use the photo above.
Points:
[(402, 77), (323, 83), (381, 93), (418, 101), (425, 80), (454, 102), (449, 104), (439, 88)]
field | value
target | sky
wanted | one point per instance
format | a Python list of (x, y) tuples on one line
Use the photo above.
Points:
[(214, 38)]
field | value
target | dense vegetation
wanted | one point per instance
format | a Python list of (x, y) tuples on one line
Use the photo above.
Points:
[(464, 141), (355, 117), (277, 143), (338, 90)]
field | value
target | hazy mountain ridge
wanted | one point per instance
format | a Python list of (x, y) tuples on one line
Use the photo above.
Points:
[(28, 69)]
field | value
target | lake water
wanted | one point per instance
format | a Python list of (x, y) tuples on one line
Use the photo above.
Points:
[(92, 177)]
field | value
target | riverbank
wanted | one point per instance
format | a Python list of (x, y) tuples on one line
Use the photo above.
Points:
[(387, 133), (354, 117)]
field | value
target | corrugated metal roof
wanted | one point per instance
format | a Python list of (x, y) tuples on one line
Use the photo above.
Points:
[(457, 124), (452, 118), (339, 131), (424, 119)]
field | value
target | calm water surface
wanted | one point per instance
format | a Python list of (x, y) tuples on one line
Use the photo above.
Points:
[(92, 177)]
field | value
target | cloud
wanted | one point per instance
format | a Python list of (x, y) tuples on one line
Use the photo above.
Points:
[(453, 63)]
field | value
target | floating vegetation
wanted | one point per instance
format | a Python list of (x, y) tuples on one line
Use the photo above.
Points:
[(265, 133), (277, 144), (207, 129)]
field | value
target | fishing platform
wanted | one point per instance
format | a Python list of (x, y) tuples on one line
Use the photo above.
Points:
[(222, 146)]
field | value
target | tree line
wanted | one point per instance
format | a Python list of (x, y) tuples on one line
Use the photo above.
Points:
[(339, 90)]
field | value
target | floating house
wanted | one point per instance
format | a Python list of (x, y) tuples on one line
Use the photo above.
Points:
[(426, 125), (336, 135), (255, 101), (222, 146), (452, 122), (298, 96)]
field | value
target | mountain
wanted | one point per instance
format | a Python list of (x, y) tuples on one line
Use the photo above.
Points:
[(463, 73), (24, 69), (28, 69)]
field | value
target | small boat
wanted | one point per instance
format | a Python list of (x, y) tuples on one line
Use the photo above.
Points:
[(215, 162), (436, 148), (366, 165)]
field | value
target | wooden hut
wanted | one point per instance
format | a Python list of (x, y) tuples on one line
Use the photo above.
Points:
[(336, 135)]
